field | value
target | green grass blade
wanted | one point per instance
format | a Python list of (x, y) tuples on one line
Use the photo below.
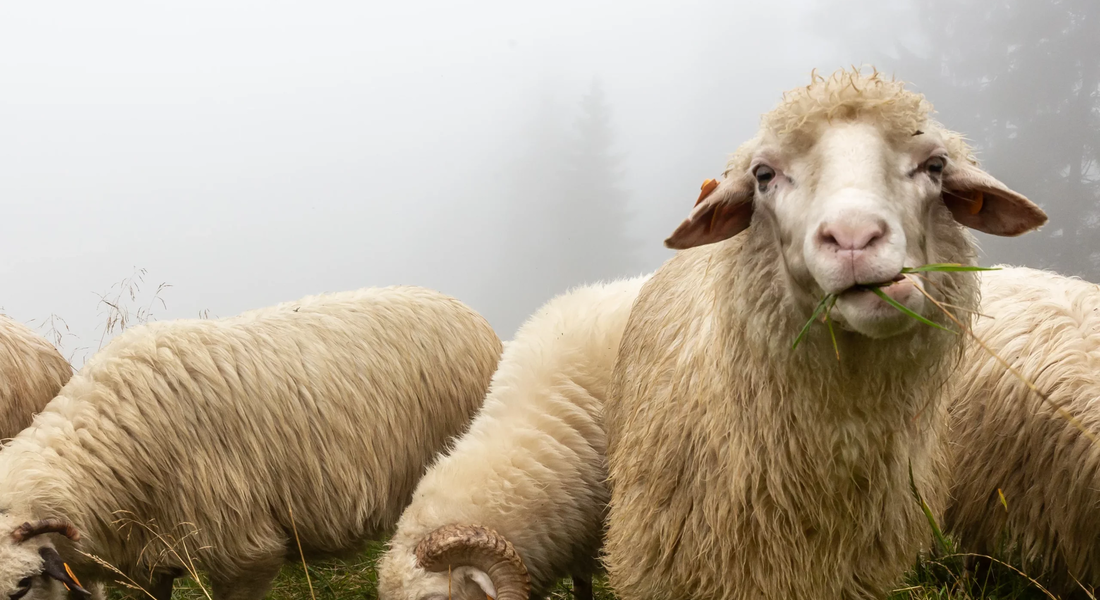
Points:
[(829, 323), (817, 313), (946, 268), (881, 294), (937, 533)]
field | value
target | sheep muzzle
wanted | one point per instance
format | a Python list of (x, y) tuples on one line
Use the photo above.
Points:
[(479, 547)]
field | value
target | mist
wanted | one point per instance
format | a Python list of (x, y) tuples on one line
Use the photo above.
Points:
[(251, 153)]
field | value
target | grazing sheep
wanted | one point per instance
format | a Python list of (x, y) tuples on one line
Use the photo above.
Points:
[(743, 468), (31, 373), (330, 407), (519, 501), (1006, 438)]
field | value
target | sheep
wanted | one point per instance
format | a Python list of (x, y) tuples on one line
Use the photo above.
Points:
[(31, 373), (741, 467), (311, 421), (1006, 438), (519, 501)]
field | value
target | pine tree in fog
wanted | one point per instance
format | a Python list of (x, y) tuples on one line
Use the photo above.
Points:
[(1029, 77), (594, 214), (532, 180), (565, 213)]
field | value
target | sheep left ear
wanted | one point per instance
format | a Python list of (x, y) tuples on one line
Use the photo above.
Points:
[(979, 201), (55, 567), (722, 211)]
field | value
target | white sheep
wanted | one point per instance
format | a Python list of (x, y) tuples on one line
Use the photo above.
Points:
[(1008, 439), (330, 407), (519, 502), (31, 373), (743, 468)]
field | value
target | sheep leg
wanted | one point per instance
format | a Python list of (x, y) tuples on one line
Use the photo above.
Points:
[(161, 586), (252, 583), (582, 587)]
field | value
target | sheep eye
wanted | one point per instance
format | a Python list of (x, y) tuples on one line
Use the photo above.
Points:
[(21, 588), (764, 174), (935, 165)]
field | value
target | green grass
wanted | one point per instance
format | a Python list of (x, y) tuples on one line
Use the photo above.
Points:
[(930, 579)]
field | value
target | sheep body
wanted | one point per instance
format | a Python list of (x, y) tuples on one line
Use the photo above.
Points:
[(739, 472), (329, 407), (532, 465), (743, 468), (31, 373), (1006, 438)]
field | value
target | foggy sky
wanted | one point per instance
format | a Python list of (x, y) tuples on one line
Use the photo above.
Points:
[(249, 153)]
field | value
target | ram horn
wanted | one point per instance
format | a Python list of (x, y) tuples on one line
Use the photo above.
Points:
[(29, 530), (453, 546)]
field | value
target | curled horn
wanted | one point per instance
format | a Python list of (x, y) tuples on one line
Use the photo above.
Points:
[(481, 548), (29, 530)]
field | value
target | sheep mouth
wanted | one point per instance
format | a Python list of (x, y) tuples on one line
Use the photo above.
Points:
[(867, 287)]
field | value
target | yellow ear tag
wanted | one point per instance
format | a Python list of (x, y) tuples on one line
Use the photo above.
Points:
[(976, 203), (70, 572), (705, 190)]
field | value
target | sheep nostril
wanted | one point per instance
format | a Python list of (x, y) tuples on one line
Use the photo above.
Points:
[(856, 236)]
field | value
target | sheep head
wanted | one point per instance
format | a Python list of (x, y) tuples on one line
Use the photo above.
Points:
[(852, 182), (30, 566), (460, 562)]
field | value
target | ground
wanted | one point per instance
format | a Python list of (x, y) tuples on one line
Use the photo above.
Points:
[(356, 580)]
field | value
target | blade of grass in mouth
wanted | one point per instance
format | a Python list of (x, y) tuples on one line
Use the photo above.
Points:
[(946, 268), (817, 312), (829, 323), (901, 307), (829, 301)]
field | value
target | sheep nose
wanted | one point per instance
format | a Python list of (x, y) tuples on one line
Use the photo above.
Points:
[(851, 234)]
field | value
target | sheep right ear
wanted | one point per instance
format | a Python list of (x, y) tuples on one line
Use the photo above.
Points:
[(721, 212)]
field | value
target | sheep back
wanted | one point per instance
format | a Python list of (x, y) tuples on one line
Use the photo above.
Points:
[(1006, 438), (532, 465), (330, 406), (31, 373)]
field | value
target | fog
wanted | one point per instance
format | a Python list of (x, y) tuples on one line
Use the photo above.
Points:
[(249, 153)]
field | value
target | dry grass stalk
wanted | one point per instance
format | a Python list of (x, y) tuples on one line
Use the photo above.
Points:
[(301, 554)]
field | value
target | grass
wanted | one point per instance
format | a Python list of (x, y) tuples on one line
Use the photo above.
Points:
[(939, 578)]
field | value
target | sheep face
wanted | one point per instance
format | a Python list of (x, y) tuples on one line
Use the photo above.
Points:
[(30, 566), (851, 199)]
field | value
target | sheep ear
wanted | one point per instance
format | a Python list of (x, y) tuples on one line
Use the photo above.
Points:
[(722, 211), (481, 578), (979, 201), (55, 567)]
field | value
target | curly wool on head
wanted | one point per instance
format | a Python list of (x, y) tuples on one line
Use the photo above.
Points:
[(797, 122)]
